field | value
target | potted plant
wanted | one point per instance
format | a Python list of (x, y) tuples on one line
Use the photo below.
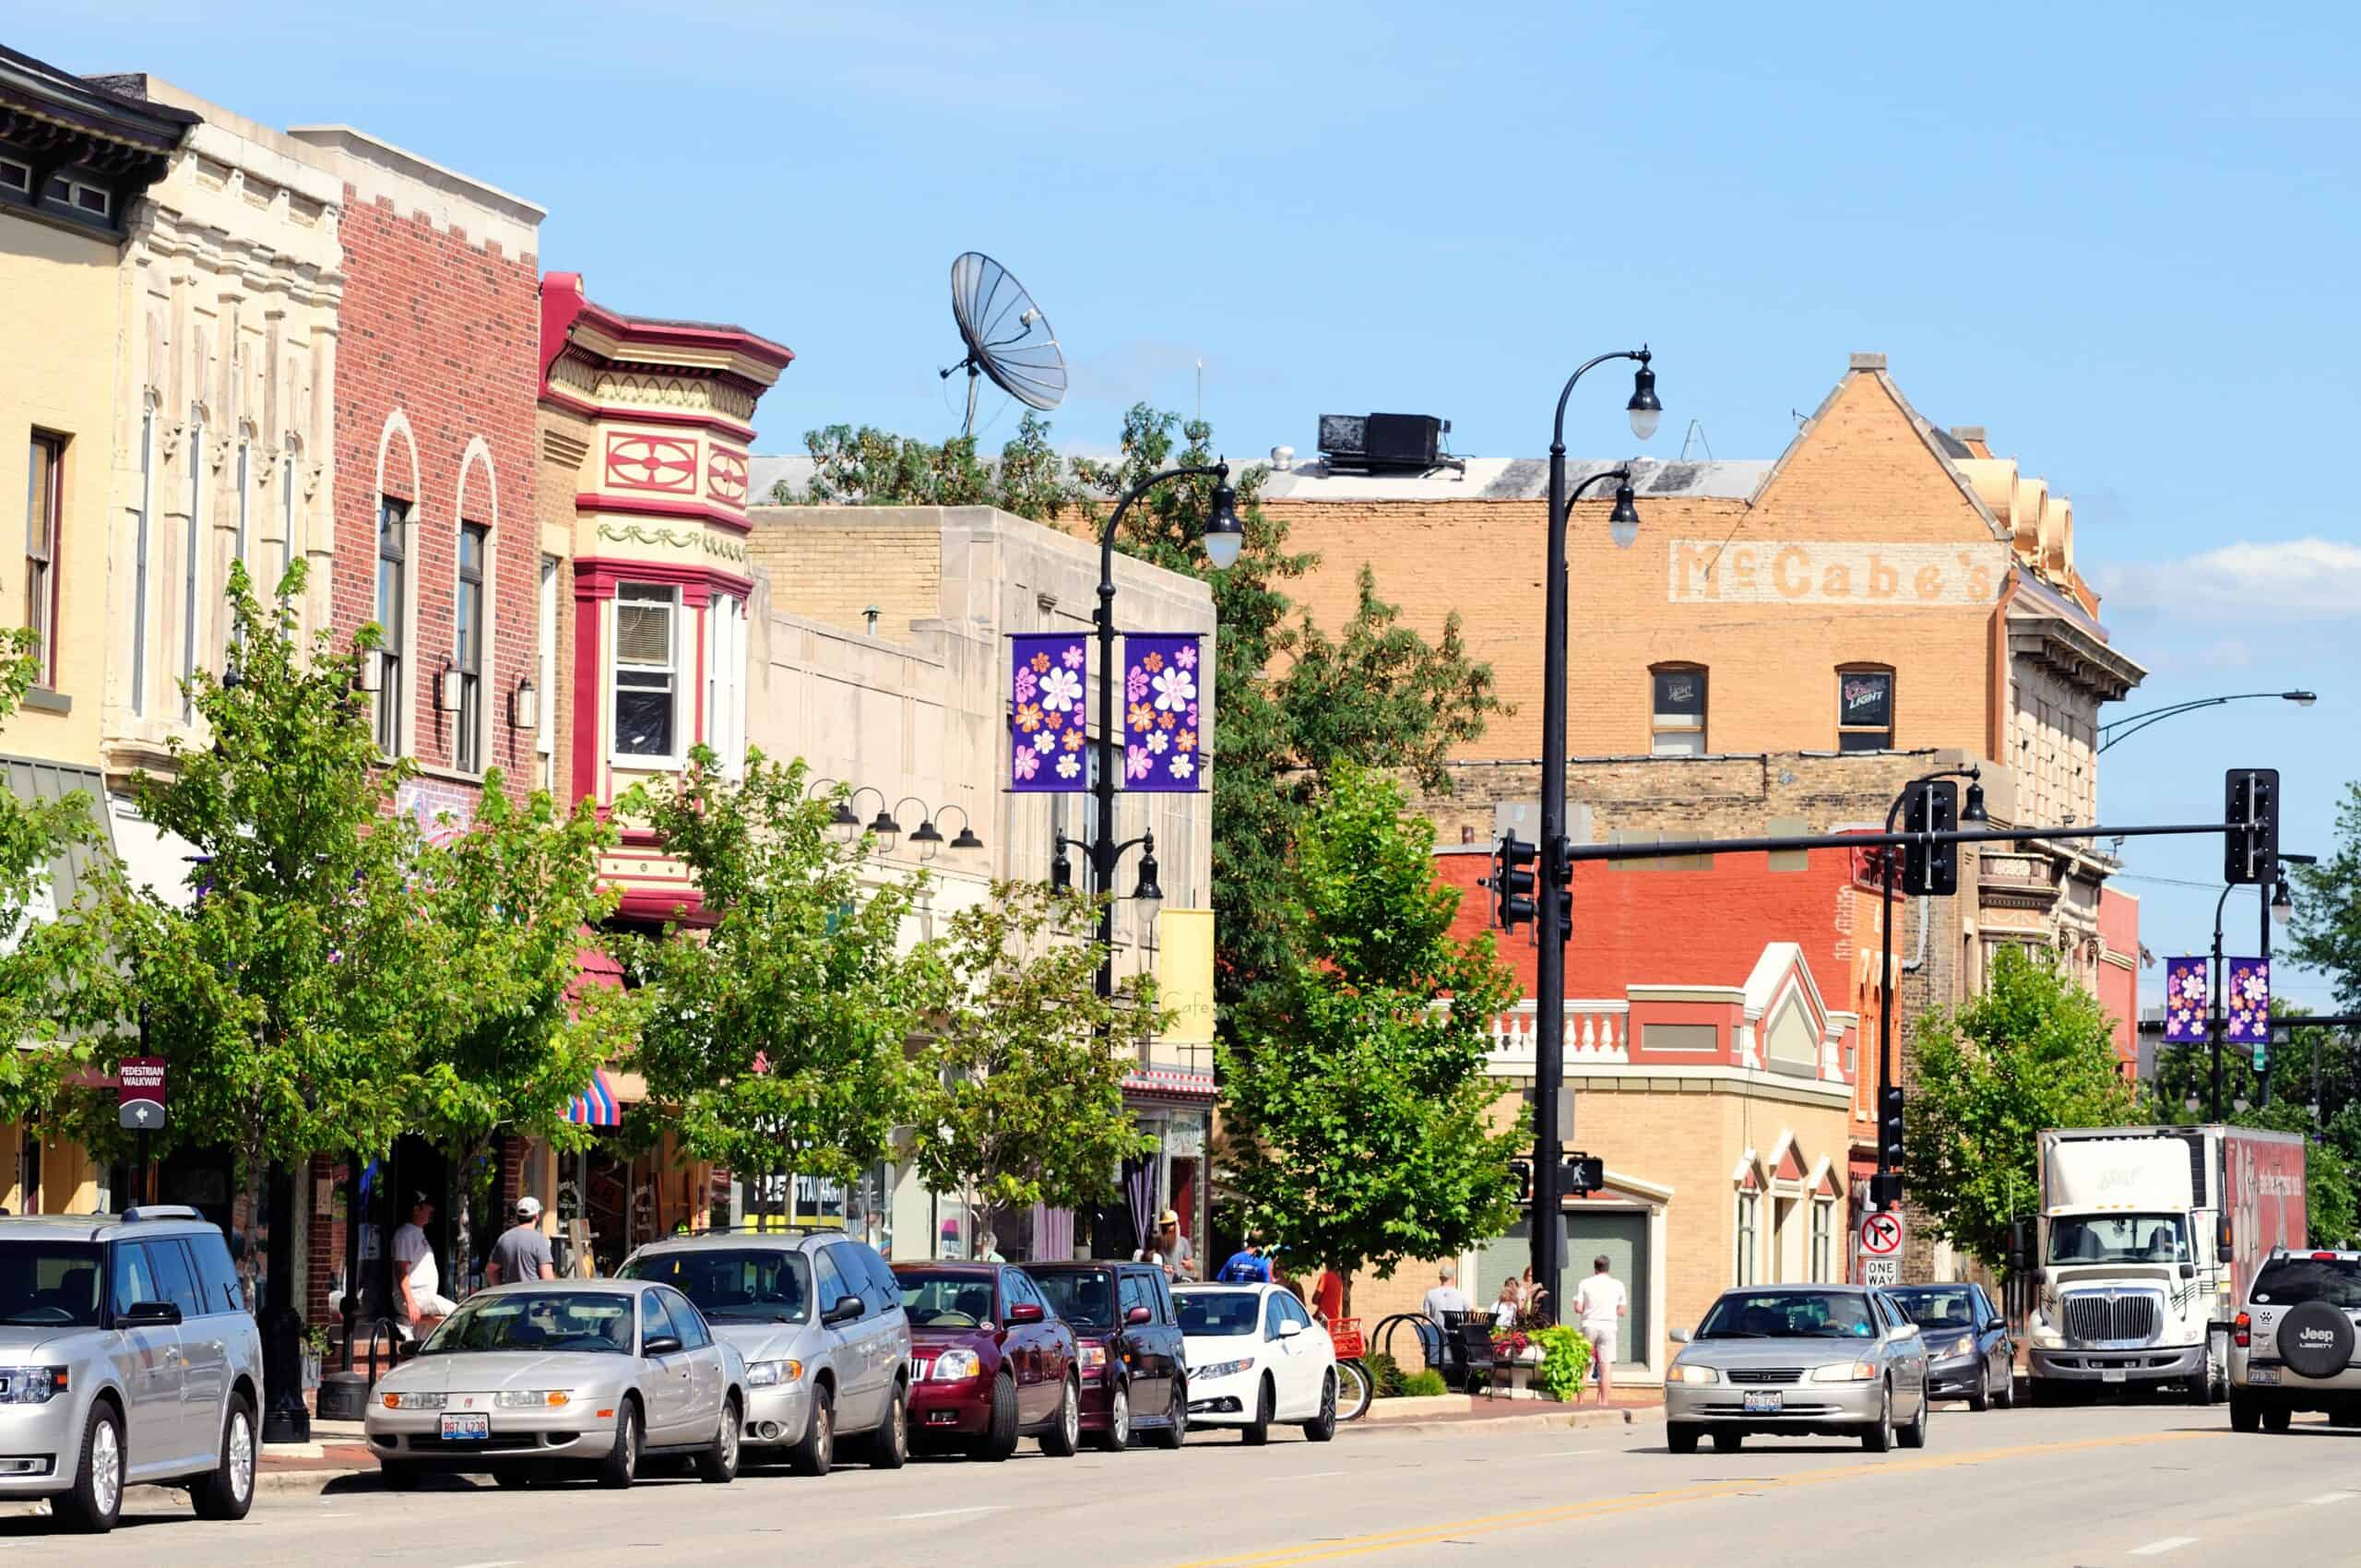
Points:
[(316, 1341), (1514, 1354), (1565, 1361)]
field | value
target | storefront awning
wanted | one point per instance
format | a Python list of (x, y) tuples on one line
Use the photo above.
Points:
[(1178, 1081), (597, 1106)]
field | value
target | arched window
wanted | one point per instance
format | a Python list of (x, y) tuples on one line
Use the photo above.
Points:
[(1677, 709), (393, 570)]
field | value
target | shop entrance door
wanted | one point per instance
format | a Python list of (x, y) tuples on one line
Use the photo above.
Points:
[(1622, 1236)]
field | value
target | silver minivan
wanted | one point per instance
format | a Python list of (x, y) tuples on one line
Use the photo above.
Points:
[(126, 1357), (819, 1318)]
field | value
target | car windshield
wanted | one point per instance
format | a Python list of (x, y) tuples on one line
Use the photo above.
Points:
[(1219, 1314), (2119, 1238), (1953, 1308), (49, 1284), (735, 1284), (1084, 1296), (946, 1300), (1788, 1314), (538, 1320), (2287, 1282)]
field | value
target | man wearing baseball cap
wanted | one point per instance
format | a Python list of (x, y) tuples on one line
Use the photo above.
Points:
[(522, 1251)]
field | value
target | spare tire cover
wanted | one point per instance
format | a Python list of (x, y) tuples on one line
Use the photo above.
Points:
[(2316, 1339)]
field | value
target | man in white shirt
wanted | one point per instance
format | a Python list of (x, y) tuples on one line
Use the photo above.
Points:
[(1446, 1297), (1601, 1303), (418, 1284)]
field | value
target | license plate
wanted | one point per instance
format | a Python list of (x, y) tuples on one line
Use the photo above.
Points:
[(1769, 1402), (467, 1429), (2111, 1375), (2261, 1376)]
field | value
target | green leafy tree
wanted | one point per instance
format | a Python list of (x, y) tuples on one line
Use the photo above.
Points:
[(874, 468), (511, 901), (2033, 1051), (1361, 1130), (1021, 1075), (2326, 928), (286, 997), (773, 1034)]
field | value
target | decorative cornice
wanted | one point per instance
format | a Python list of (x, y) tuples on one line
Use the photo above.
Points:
[(639, 533)]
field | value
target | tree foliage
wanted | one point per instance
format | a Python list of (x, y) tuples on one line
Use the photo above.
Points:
[(775, 1029), (2033, 1051), (2327, 932), (875, 468), (1021, 1079), (1359, 1113)]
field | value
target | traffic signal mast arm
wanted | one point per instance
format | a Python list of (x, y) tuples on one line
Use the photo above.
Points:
[(1690, 848)]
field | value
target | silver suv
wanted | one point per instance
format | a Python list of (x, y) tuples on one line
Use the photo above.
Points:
[(126, 1356), (2292, 1344), (819, 1319)]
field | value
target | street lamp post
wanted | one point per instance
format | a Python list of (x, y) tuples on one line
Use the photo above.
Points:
[(1224, 538), (2278, 907), (2130, 724), (1550, 983)]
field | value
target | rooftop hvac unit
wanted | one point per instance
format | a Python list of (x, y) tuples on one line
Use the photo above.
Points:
[(1383, 443)]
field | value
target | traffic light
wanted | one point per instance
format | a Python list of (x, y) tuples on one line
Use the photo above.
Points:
[(2250, 807), (1560, 870), (1512, 882), (1931, 869), (1890, 1128), (1522, 1170), (1886, 1189), (1581, 1173)]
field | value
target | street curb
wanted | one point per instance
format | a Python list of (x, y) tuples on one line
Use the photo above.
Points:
[(1582, 1420), (267, 1483)]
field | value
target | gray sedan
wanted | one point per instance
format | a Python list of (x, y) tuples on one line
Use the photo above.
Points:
[(527, 1380), (1825, 1359)]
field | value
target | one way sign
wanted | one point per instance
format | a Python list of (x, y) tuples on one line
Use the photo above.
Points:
[(140, 1104)]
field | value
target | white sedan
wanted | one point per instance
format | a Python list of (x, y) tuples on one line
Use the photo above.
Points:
[(1256, 1360)]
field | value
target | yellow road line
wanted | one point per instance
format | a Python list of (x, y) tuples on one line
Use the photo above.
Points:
[(1429, 1534)]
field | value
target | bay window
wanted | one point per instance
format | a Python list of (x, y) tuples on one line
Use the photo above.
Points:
[(646, 713), (725, 682)]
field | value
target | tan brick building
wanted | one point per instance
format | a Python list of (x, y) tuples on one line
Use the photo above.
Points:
[(1783, 646)]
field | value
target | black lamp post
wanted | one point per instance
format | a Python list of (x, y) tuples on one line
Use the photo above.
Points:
[(2278, 907), (1223, 537), (2130, 724), (1550, 983)]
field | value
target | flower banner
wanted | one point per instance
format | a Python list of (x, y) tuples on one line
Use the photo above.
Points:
[(1164, 737), (1049, 732), (2186, 999), (2247, 1005)]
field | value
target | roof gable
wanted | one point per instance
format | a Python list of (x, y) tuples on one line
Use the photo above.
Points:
[(1865, 441)]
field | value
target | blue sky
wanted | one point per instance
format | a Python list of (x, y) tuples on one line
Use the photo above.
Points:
[(2121, 238)]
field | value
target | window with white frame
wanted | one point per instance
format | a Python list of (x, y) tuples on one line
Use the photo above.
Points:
[(1823, 1239), (189, 564), (725, 682), (1676, 719), (44, 502), (475, 543), (246, 473), (545, 673), (646, 680), (139, 557), (1745, 1261), (392, 572)]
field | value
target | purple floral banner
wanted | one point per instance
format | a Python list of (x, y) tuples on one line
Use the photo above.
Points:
[(1049, 732), (1164, 738), (2248, 1006), (2186, 998)]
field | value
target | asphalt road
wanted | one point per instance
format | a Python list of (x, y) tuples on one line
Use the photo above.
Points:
[(2126, 1486)]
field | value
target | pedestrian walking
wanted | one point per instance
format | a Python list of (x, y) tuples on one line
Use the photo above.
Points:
[(418, 1282), (1602, 1303), (522, 1251)]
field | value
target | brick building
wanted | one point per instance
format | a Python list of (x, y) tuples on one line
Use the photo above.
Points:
[(1787, 644)]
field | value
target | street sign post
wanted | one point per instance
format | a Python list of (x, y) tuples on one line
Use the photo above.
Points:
[(140, 1104), (1881, 1237), (1881, 1274)]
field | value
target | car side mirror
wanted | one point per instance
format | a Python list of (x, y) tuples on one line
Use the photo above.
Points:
[(1024, 1312), (1138, 1315), (1289, 1328), (847, 1309), (2188, 1271), (151, 1315), (1678, 1337), (661, 1345)]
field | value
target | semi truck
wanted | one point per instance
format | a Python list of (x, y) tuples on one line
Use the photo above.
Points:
[(2147, 1239)]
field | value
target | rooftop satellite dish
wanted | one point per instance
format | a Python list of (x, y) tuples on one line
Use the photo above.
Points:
[(1008, 337)]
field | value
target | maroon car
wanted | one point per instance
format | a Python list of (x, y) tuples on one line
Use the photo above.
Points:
[(991, 1362), (1134, 1367)]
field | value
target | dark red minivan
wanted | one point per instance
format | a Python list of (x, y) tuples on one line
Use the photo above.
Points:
[(1133, 1369), (991, 1362)]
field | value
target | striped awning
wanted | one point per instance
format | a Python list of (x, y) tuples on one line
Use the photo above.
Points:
[(1179, 1082), (598, 1105)]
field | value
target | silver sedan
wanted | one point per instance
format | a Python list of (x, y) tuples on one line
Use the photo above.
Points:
[(528, 1380), (1825, 1359)]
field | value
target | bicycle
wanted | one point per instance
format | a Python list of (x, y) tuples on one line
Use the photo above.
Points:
[(1355, 1387)]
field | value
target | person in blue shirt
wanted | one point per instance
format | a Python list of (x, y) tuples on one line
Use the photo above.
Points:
[(1248, 1265)]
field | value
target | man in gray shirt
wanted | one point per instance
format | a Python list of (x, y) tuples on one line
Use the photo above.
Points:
[(522, 1251)]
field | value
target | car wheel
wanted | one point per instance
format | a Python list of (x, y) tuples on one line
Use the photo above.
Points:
[(1980, 1399), (2245, 1414), (2005, 1395), (1063, 1438), (718, 1466), (397, 1475), (1175, 1430), (1258, 1432), (96, 1500), (1728, 1441), (816, 1452), (1680, 1437), (2277, 1418), (621, 1467), (1118, 1435), (1322, 1427), (999, 1440), (1879, 1438), (227, 1489), (1915, 1434), (889, 1445)]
